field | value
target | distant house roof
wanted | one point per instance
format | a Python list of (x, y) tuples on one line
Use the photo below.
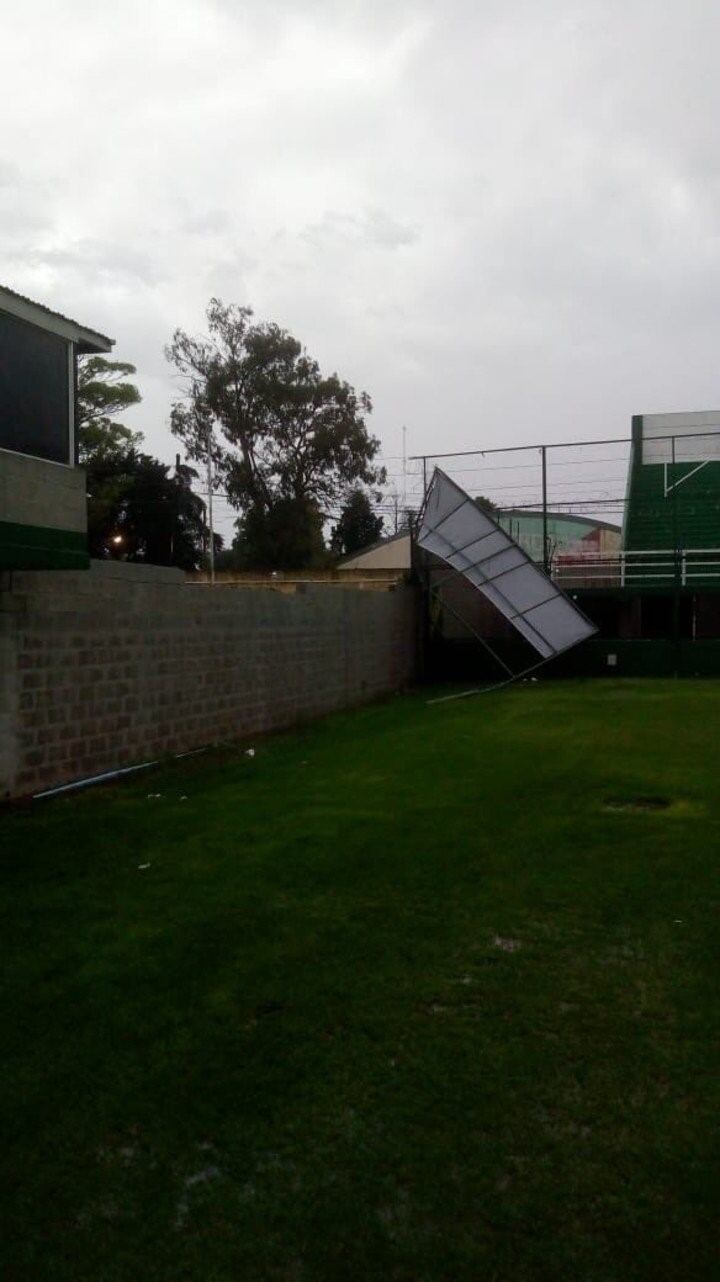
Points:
[(372, 547), (86, 340)]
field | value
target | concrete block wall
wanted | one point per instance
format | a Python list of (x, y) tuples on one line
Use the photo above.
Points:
[(124, 663), (46, 495)]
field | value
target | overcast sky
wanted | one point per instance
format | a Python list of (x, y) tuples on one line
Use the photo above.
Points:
[(501, 218)]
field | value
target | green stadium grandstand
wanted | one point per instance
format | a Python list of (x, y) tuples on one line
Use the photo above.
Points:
[(671, 534)]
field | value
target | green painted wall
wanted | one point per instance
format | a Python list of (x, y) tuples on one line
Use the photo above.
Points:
[(689, 517), (693, 509), (527, 530), (33, 547), (466, 660)]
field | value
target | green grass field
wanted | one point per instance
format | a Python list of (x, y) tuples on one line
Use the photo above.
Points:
[(416, 993)]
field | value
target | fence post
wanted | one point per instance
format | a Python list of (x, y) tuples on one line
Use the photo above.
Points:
[(676, 568), (546, 565)]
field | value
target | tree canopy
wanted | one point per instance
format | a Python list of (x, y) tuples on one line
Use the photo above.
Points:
[(287, 536), (485, 504), (137, 509), (287, 441), (358, 526), (103, 390)]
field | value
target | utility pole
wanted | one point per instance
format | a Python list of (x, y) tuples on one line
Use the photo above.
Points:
[(176, 524), (404, 465), (210, 504)]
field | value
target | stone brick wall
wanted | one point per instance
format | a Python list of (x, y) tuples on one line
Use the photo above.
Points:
[(124, 663)]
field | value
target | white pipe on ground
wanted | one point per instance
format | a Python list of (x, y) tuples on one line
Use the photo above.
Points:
[(85, 783), (110, 774)]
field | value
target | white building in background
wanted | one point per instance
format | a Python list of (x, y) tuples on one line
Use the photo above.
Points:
[(566, 533)]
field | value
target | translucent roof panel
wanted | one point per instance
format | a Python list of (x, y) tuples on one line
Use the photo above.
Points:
[(455, 529)]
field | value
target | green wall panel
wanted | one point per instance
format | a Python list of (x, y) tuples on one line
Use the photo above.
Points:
[(32, 547), (467, 661)]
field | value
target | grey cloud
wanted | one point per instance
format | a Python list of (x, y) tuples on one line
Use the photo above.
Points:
[(101, 261), (9, 174), (23, 207), (208, 223), (499, 218), (373, 228)]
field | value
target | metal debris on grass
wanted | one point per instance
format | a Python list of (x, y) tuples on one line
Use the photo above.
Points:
[(200, 1177), (507, 945)]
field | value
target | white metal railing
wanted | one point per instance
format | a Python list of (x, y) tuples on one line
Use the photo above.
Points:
[(624, 569)]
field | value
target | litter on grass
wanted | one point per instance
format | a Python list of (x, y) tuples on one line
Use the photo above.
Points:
[(142, 867), (249, 752), (507, 945), (200, 1177)]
